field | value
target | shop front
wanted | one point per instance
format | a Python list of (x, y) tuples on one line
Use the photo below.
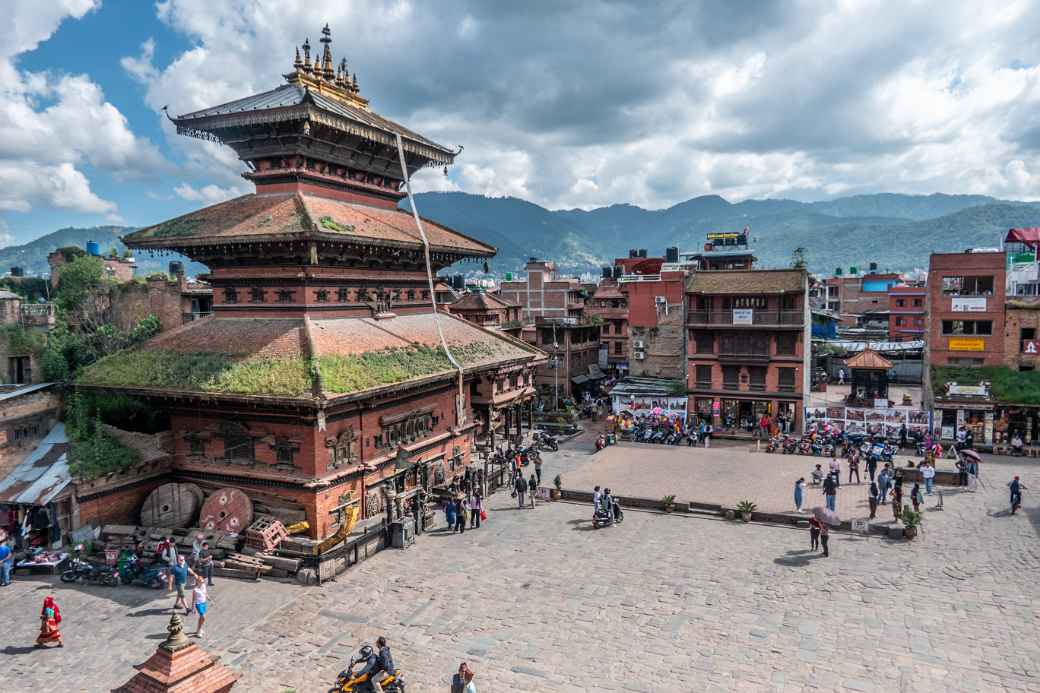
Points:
[(977, 417), (742, 415)]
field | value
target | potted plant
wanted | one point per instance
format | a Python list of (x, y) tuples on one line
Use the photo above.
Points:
[(554, 493), (668, 503), (745, 508), (911, 521)]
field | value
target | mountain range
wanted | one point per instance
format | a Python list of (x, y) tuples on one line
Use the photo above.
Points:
[(896, 231)]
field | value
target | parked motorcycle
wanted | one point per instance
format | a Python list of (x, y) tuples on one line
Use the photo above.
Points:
[(134, 573), (79, 570), (546, 441)]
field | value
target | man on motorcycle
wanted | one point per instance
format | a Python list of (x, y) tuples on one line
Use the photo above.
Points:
[(377, 665)]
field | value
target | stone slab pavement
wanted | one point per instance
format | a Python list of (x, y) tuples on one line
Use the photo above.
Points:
[(537, 600), (725, 474)]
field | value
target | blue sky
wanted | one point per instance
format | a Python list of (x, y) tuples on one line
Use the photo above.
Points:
[(565, 104)]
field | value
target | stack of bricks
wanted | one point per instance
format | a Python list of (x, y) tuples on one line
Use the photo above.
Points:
[(265, 534)]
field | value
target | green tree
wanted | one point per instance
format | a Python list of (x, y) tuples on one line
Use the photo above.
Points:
[(798, 258), (84, 291)]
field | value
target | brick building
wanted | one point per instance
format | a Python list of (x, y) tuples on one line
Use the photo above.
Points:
[(609, 307), (853, 296), (907, 312), (657, 324), (543, 293), (172, 299), (319, 383), (725, 250), (490, 311), (748, 346), (119, 269), (573, 349)]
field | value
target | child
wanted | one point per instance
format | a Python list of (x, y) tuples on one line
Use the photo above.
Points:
[(817, 476)]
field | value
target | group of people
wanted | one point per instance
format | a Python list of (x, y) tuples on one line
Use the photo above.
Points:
[(200, 570), (880, 485)]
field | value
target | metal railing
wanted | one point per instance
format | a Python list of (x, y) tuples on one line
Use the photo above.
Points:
[(738, 317), (188, 317)]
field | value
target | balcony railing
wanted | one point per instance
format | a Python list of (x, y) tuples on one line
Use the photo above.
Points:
[(188, 317), (756, 357), (703, 385), (739, 317), (785, 388)]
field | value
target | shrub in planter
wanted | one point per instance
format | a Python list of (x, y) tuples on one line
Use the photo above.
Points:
[(554, 493), (745, 508), (668, 503), (911, 521)]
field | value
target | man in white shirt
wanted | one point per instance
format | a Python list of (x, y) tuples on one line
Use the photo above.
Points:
[(928, 473)]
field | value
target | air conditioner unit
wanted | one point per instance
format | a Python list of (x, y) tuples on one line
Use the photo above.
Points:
[(639, 355), (638, 344)]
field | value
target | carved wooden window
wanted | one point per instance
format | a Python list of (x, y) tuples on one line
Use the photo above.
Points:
[(256, 295), (196, 448), (321, 296), (285, 296), (342, 295), (238, 444), (411, 294), (406, 429), (231, 295), (285, 451), (363, 295), (426, 294), (342, 448)]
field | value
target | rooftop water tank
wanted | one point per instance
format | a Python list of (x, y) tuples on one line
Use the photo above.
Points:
[(93, 248)]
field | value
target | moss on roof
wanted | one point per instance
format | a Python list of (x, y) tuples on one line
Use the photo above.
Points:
[(356, 372), (201, 372), (1006, 385)]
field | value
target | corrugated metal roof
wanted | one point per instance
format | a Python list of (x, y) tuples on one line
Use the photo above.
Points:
[(42, 475), (11, 394)]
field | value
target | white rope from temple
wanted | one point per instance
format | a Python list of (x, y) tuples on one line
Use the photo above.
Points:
[(459, 403)]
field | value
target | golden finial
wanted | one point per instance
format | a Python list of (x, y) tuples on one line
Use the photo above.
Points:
[(325, 68), (307, 55), (297, 63), (176, 638), (354, 86)]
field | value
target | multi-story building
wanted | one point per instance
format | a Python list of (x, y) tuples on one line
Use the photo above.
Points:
[(609, 307), (748, 346), (117, 268), (657, 323), (906, 312), (542, 293), (722, 251), (853, 296), (573, 365), (965, 327), (488, 310)]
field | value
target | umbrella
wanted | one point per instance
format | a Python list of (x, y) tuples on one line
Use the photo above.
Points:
[(656, 411), (827, 516), (970, 454)]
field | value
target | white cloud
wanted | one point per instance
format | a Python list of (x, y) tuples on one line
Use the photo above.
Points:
[(51, 125), (710, 97), (6, 237), (209, 194)]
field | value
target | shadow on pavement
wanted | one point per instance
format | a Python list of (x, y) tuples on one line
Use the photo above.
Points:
[(800, 559), (151, 612), (26, 649)]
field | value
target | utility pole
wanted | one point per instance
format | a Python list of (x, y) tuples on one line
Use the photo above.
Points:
[(556, 371)]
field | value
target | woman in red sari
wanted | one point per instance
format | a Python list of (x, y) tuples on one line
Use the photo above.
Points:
[(50, 619)]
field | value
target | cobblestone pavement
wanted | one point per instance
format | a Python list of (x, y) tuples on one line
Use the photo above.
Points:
[(539, 601)]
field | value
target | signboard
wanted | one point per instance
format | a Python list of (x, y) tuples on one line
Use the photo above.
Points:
[(743, 316), (881, 404), (968, 305), (716, 405), (724, 236), (966, 344), (1031, 346), (861, 526), (980, 390), (877, 421)]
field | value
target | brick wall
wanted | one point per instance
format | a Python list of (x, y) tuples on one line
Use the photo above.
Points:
[(120, 506), (665, 346), (940, 307)]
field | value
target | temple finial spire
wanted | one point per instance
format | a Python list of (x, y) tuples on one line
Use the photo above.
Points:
[(325, 67), (307, 55), (297, 63), (354, 85)]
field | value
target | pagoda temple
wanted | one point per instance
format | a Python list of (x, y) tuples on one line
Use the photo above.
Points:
[(320, 382)]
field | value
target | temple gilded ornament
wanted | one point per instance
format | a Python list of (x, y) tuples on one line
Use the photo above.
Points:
[(324, 76)]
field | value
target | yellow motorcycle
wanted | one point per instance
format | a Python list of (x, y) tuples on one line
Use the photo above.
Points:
[(347, 682)]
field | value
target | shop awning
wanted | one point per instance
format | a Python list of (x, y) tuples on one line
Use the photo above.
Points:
[(42, 475), (595, 373), (580, 379), (1030, 236)]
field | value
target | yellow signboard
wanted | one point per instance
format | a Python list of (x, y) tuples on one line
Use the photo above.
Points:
[(723, 236), (966, 344)]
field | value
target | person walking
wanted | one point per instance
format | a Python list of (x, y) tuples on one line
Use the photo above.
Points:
[(883, 481), (872, 499), (458, 680), (841, 376), (897, 500), (180, 573), (854, 467), (830, 493), (962, 472), (204, 564), (50, 622), (799, 494), (520, 486), (928, 474), (708, 430), (460, 515), (871, 466), (532, 488), (825, 535), (449, 514), (170, 555), (814, 533), (1015, 489), (538, 469), (6, 562), (835, 471), (470, 686), (476, 506), (915, 497), (200, 597)]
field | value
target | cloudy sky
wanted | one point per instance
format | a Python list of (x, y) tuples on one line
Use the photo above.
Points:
[(567, 104)]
